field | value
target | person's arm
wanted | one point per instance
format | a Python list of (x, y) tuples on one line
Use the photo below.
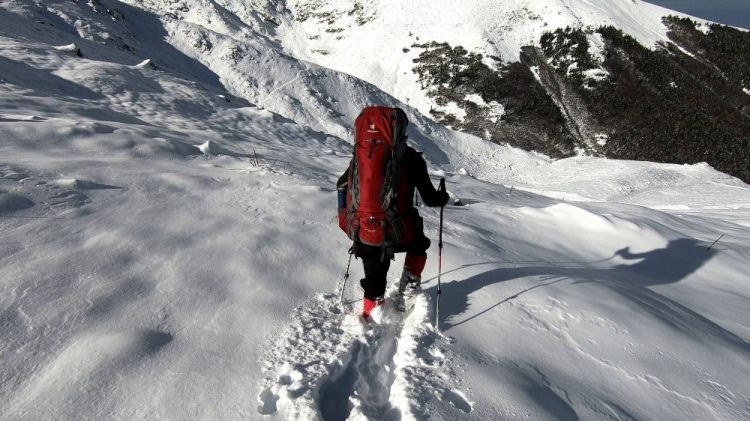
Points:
[(430, 196)]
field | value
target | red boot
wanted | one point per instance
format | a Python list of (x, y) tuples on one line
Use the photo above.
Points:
[(369, 305)]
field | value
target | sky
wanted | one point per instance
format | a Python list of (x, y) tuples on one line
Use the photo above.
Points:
[(730, 12)]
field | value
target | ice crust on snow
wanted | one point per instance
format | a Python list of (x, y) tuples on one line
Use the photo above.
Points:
[(144, 279)]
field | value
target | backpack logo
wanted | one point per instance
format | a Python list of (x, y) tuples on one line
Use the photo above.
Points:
[(371, 128)]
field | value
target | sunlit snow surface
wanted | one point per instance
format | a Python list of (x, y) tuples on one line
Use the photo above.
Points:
[(378, 41), (167, 254)]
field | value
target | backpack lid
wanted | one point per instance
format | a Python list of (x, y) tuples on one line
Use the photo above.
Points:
[(382, 123)]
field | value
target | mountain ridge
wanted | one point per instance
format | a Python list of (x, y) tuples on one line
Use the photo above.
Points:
[(457, 77)]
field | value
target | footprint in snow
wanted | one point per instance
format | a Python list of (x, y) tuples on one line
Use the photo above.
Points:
[(458, 400), (328, 365), (12, 202)]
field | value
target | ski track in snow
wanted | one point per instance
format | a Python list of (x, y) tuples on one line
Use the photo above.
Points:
[(262, 102)]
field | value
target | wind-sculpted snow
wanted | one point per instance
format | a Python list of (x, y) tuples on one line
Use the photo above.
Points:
[(169, 250)]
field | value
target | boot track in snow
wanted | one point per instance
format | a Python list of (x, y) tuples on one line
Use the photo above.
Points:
[(329, 365)]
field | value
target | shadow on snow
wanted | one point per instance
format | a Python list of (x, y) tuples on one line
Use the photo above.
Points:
[(668, 265)]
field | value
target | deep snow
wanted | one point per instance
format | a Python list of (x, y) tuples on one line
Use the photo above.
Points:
[(167, 253)]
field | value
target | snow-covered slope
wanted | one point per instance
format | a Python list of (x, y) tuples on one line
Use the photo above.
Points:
[(543, 75), (169, 250), (375, 40), (278, 54)]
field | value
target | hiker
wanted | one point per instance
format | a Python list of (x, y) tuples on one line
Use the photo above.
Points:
[(376, 203)]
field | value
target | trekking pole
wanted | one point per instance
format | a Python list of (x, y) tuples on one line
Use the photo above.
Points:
[(714, 243), (440, 260), (346, 276)]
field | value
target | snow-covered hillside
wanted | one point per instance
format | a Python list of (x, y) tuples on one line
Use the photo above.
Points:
[(375, 40), (559, 77), (169, 248)]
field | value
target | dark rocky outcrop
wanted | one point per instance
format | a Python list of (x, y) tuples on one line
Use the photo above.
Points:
[(686, 101)]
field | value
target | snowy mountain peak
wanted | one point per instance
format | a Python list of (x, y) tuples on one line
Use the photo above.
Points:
[(537, 75), (371, 39)]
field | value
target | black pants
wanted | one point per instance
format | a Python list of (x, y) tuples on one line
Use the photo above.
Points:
[(376, 263)]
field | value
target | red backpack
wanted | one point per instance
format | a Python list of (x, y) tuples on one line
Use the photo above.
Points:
[(377, 211)]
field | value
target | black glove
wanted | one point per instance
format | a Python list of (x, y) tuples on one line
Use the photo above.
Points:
[(443, 197)]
